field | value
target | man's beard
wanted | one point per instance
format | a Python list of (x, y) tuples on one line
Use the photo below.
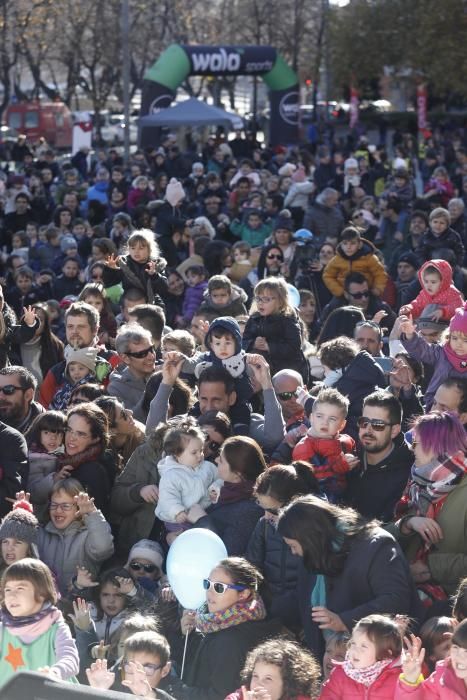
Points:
[(11, 415)]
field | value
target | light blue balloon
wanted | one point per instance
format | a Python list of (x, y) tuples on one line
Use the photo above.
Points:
[(294, 296), (191, 558)]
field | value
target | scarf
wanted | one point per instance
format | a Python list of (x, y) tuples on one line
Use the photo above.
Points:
[(62, 397), (91, 454), (29, 627), (232, 493), (365, 676), (429, 485), (237, 614), (459, 362)]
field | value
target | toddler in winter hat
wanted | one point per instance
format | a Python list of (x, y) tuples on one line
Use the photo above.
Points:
[(459, 320), (146, 559), (80, 362), (174, 192), (68, 243), (20, 524)]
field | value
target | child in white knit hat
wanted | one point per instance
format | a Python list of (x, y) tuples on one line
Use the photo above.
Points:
[(80, 369)]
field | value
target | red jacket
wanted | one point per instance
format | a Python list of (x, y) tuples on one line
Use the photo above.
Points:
[(340, 687), (448, 297), (238, 695), (331, 451), (443, 684)]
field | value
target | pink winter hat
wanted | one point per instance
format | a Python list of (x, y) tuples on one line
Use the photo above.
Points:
[(459, 320)]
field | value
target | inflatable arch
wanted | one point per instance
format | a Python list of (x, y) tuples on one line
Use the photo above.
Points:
[(178, 62)]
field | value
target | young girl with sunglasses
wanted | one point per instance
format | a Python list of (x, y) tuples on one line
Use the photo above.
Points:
[(273, 329), (33, 633), (231, 623)]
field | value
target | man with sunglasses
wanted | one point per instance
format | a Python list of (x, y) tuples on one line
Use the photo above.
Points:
[(385, 458), (17, 389), (135, 346), (357, 293)]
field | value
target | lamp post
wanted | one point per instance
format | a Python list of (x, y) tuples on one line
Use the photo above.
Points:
[(125, 31)]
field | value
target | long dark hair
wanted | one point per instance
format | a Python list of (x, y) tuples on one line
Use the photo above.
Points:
[(286, 481), (324, 531), (51, 346), (262, 269), (244, 457)]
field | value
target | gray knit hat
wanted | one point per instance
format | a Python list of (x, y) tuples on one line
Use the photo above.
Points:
[(20, 524)]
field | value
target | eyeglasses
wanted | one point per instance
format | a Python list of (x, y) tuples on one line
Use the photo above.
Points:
[(9, 389), (220, 587), (264, 300), (376, 424), (66, 507), (149, 669), (359, 295), (274, 256), (77, 433), (148, 568), (287, 395), (140, 354)]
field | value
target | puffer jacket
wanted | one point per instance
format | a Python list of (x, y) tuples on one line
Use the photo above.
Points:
[(431, 243), (284, 338), (364, 261), (339, 685), (448, 297), (443, 684), (269, 553), (86, 543), (234, 307), (181, 487)]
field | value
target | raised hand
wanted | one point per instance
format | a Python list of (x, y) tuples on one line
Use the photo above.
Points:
[(407, 326), (99, 676), (172, 367), (112, 261), (412, 658), (151, 267), (126, 584), (187, 621), (84, 578), (85, 503), (137, 680), (82, 614), (29, 316), (260, 370)]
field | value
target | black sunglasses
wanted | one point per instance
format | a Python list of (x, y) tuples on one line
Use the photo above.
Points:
[(360, 295), (274, 257), (376, 424), (287, 395), (148, 568), (141, 353), (9, 389)]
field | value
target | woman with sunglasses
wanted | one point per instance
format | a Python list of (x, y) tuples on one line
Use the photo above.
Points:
[(274, 489), (433, 508), (231, 623), (350, 568), (270, 264)]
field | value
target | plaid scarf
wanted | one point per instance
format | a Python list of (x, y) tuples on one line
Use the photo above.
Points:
[(429, 485), (207, 622), (365, 676)]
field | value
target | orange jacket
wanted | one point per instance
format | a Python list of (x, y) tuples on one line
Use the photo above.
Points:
[(364, 261)]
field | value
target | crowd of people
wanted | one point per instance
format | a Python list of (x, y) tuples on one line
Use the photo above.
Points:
[(267, 344)]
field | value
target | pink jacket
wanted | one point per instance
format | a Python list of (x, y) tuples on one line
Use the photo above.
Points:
[(340, 687), (448, 297), (443, 684)]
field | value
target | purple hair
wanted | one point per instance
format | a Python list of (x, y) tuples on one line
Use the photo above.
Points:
[(440, 432)]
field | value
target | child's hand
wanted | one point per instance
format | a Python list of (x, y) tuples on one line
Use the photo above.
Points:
[(99, 651), (82, 615), (213, 493), (149, 493), (181, 517), (261, 344), (29, 316), (99, 676), (151, 268), (437, 315), (407, 327), (187, 622), (63, 473), (260, 369), (126, 585), (351, 460), (405, 310), (379, 315), (172, 367), (137, 681), (112, 261), (84, 578), (412, 658), (167, 595), (85, 504)]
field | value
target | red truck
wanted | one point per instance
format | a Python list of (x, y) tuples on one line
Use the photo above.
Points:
[(52, 120)]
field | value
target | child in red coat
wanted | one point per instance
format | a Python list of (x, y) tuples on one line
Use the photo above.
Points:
[(448, 682), (435, 277), (372, 664), (324, 446)]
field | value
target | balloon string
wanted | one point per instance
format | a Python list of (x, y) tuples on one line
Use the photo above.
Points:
[(184, 655)]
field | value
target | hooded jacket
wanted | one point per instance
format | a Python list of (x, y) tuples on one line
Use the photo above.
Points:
[(448, 297), (340, 685), (364, 261), (181, 487), (234, 307), (443, 684)]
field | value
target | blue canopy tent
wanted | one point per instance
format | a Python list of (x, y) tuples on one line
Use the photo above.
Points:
[(191, 112)]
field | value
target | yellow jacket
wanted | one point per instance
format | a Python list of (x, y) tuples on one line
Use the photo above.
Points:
[(364, 261)]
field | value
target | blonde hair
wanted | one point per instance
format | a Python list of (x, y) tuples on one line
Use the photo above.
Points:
[(277, 286), (146, 237)]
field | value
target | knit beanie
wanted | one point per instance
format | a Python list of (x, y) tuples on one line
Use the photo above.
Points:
[(67, 242), (85, 356), (350, 163), (20, 524), (174, 192), (147, 549), (459, 320)]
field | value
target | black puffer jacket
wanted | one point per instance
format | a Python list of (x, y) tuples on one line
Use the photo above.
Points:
[(269, 553), (133, 274), (431, 243), (284, 337)]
